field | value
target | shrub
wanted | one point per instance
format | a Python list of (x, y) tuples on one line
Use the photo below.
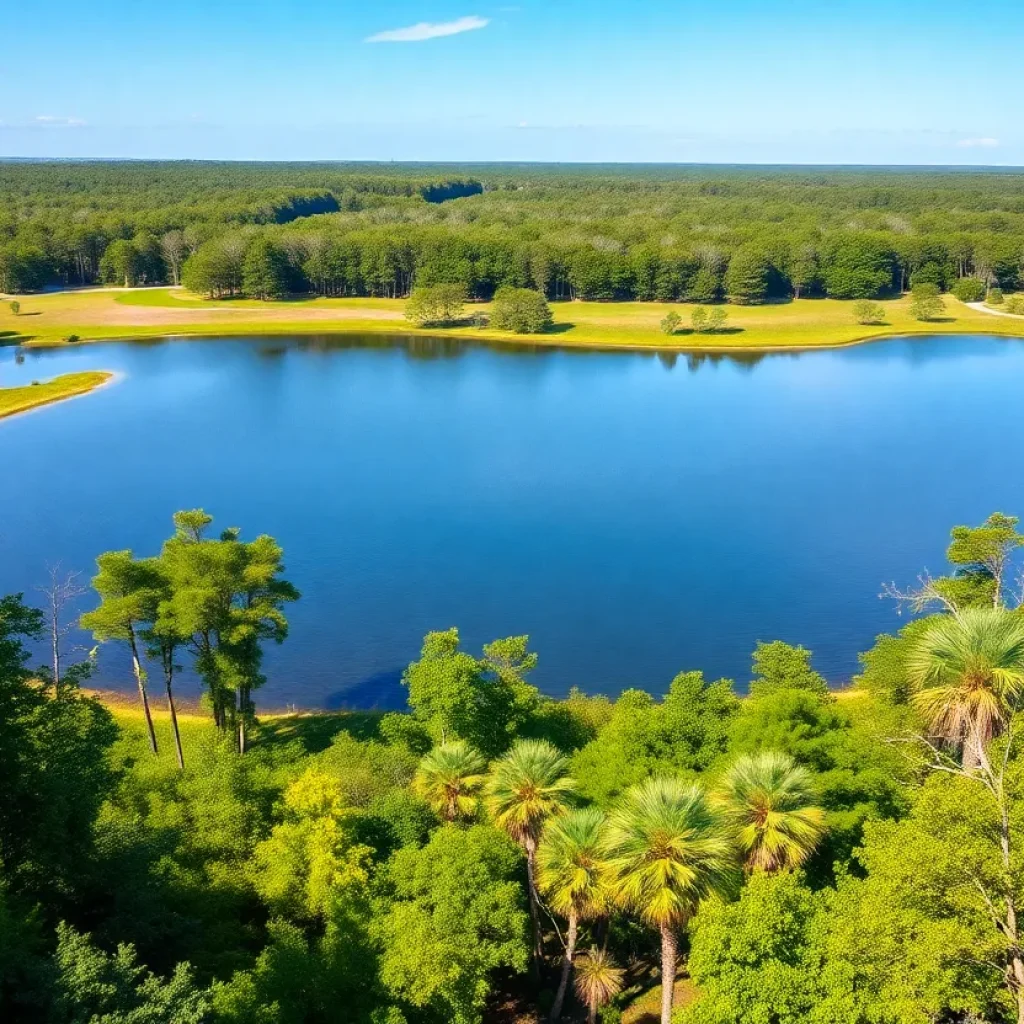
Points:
[(15, 307), (926, 302), (995, 297), (436, 304), (706, 321), (969, 289), (521, 310), (1014, 304), (670, 322), (72, 338), (867, 312)]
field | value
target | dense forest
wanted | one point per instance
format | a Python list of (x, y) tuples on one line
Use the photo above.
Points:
[(591, 232), (800, 855)]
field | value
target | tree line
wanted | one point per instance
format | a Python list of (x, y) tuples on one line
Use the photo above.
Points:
[(803, 855), (628, 233)]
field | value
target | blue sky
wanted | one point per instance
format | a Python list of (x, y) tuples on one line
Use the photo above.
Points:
[(777, 81)]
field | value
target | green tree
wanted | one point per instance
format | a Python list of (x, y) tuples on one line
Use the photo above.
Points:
[(756, 959), (867, 312), (575, 879), (121, 263), (129, 592), (227, 596), (968, 674), (926, 302), (94, 987), (265, 271), (449, 778), (670, 322), (15, 307), (969, 289), (699, 320), (746, 280), (438, 304), (782, 666), (485, 701), (455, 916), (526, 787), (669, 849), (520, 310), (768, 800)]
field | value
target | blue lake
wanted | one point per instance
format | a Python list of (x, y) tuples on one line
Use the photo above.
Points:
[(637, 515)]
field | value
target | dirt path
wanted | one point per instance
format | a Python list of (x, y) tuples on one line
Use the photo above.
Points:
[(982, 308)]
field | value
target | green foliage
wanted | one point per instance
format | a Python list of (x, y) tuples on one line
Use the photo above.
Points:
[(454, 914), (769, 803), (15, 307), (782, 666), (754, 960), (264, 271), (858, 266), (746, 280), (1014, 305), (994, 297), (94, 987), (969, 289), (686, 732), (867, 312), (521, 310), (926, 302), (484, 701), (670, 322), (437, 304)]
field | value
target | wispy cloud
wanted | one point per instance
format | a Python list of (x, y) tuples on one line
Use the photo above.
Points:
[(429, 30), (983, 143), (59, 122)]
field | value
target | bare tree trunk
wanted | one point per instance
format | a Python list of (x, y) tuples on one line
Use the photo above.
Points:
[(531, 878), (168, 684), (669, 947), (563, 984), (243, 700), (140, 681)]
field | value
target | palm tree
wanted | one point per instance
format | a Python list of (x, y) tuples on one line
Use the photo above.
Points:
[(449, 779), (768, 799), (669, 848), (968, 671), (574, 877), (526, 787), (598, 981)]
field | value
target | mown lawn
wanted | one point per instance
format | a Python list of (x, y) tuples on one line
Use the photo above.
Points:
[(803, 323), (29, 396)]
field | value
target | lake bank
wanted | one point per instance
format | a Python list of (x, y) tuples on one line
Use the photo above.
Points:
[(21, 399), (126, 314)]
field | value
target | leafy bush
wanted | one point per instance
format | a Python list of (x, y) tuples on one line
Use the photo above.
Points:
[(995, 297), (867, 312), (521, 310), (670, 322), (1015, 305), (436, 304), (926, 302), (704, 321), (969, 289)]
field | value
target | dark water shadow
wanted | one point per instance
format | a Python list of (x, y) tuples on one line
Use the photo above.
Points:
[(316, 730), (382, 691)]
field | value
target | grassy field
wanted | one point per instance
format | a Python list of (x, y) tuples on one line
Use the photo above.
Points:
[(21, 399), (141, 313)]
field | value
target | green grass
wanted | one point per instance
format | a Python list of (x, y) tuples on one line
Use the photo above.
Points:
[(21, 399), (313, 730), (158, 312)]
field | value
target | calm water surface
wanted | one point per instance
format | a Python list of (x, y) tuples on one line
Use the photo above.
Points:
[(635, 515)]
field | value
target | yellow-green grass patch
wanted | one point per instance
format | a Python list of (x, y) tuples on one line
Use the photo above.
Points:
[(68, 385), (802, 323)]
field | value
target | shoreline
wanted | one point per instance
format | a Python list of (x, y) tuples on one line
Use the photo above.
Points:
[(105, 315), (109, 377)]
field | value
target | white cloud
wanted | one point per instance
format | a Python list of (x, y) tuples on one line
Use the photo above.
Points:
[(429, 30), (60, 122), (984, 143)]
